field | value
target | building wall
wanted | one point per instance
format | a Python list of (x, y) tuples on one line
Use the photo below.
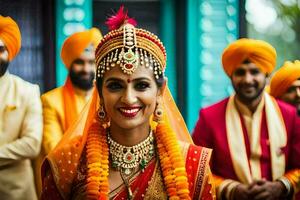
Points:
[(34, 22)]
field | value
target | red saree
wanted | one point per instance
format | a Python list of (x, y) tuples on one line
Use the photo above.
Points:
[(148, 184)]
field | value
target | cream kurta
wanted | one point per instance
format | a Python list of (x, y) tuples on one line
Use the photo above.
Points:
[(20, 136)]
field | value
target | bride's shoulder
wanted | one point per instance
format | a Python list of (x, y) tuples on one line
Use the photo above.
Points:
[(195, 152)]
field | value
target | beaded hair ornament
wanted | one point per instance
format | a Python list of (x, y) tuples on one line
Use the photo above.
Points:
[(128, 47)]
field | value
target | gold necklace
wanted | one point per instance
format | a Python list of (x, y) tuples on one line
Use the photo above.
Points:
[(126, 159)]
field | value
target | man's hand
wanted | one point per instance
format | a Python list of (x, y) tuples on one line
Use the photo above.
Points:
[(267, 190), (241, 192)]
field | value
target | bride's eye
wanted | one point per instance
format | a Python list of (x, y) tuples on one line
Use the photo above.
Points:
[(142, 85), (114, 86)]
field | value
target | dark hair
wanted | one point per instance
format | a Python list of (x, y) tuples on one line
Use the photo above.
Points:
[(247, 61), (160, 81)]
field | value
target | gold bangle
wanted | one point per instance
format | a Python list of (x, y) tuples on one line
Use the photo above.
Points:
[(287, 184), (229, 189)]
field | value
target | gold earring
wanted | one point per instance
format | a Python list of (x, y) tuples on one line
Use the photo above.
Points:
[(105, 122), (101, 112), (158, 113)]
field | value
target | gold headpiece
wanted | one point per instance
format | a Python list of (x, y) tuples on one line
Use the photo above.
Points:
[(129, 47)]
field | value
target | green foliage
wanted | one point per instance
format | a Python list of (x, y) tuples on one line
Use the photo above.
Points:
[(290, 14)]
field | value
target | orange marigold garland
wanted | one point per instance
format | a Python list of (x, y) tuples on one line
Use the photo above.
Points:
[(97, 163), (171, 161), (172, 164)]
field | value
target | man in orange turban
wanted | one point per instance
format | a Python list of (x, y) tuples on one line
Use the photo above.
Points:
[(62, 105), (20, 120), (250, 132), (285, 84)]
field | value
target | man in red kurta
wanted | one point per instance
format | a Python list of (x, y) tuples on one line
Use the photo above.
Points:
[(255, 138)]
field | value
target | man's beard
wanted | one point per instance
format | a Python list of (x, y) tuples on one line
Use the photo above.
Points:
[(80, 82), (294, 102), (298, 109), (247, 99), (3, 67), (297, 106)]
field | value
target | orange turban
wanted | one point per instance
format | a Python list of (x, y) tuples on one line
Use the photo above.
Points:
[(10, 36), (261, 53), (284, 78), (76, 43)]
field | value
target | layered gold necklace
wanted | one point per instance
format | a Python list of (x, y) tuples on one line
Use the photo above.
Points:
[(128, 159)]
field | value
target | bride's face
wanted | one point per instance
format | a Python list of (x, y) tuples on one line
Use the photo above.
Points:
[(129, 100)]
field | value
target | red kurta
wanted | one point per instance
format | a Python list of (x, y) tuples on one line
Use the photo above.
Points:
[(210, 131)]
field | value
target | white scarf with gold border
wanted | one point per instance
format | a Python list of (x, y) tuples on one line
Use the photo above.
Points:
[(277, 137)]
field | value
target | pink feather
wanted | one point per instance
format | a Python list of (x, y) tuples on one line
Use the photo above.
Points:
[(120, 18)]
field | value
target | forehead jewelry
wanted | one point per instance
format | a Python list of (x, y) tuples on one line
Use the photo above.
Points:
[(130, 53), (130, 58)]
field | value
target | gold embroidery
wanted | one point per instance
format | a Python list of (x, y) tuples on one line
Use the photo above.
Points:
[(10, 108), (156, 188), (201, 172)]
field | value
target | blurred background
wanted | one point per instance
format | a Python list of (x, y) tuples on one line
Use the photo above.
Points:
[(195, 32)]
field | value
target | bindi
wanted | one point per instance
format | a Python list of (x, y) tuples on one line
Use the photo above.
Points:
[(128, 80)]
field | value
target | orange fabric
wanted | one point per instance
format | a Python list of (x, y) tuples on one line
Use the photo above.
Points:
[(294, 177), (218, 180), (76, 43), (175, 118), (258, 52), (10, 36), (284, 78), (71, 113)]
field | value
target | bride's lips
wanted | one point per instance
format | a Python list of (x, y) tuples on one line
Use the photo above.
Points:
[(129, 112)]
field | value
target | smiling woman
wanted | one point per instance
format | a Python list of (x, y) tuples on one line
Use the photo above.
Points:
[(130, 105), (123, 146)]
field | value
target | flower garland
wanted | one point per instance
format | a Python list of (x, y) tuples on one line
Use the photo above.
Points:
[(97, 163), (172, 164)]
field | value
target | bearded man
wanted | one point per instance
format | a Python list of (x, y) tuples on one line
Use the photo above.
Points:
[(62, 105), (285, 84), (20, 120), (255, 138)]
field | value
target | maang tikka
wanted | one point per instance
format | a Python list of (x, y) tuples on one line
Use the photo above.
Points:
[(129, 60), (128, 52)]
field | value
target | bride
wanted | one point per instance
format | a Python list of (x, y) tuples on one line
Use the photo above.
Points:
[(130, 141)]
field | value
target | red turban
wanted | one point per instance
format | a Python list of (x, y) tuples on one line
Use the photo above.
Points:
[(284, 78), (261, 53), (76, 43), (10, 36)]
